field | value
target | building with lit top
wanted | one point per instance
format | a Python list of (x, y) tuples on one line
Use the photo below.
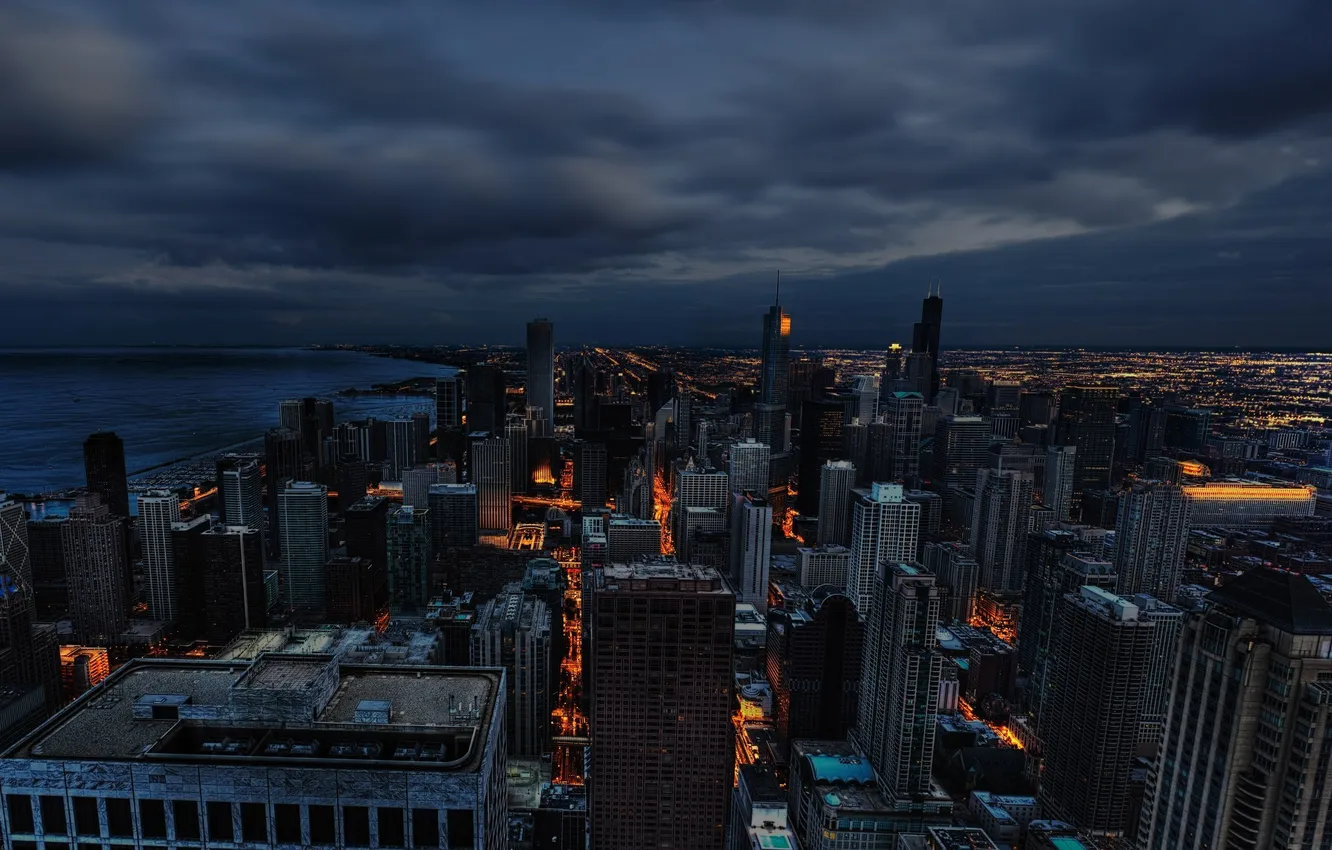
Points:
[(1236, 503), (289, 750)]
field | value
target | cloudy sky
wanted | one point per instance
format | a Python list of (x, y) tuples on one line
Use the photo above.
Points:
[(1101, 172)]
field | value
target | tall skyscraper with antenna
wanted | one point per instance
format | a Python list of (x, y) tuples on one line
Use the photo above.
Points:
[(925, 336), (770, 411)]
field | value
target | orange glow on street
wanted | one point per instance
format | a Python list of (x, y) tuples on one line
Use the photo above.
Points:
[(661, 497), (568, 717), (1005, 733)]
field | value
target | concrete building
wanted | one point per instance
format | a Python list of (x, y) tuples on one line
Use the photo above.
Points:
[(884, 528), (409, 550), (758, 811), (513, 631), (1086, 421), (1151, 535), (660, 778), (837, 479), (448, 402), (303, 527), (999, 528), (232, 560), (902, 413), (1057, 488), (956, 574), (1247, 504), (417, 481), (540, 389), (751, 548), (490, 474), (100, 592), (290, 750), (158, 510), (748, 466), (454, 515), (104, 468), (815, 641), (823, 565), (1248, 733), (591, 474), (1156, 689), (630, 539), (240, 492)]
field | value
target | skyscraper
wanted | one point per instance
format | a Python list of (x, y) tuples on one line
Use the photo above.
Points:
[(28, 656), (104, 466), (748, 466), (899, 684), (520, 469), (448, 402), (357, 591), (1099, 657), (902, 413), (820, 442), (233, 582), (884, 527), (662, 752), (513, 631), (1246, 743), (751, 547), (365, 525), (417, 481), (486, 400), (956, 574), (999, 528), (925, 339), (1156, 688), (590, 474), (303, 527), (541, 369), (400, 444), (1087, 422), (284, 462), (158, 511), (837, 478), (630, 539), (490, 474), (454, 515), (240, 492), (408, 540), (866, 390), (961, 448), (814, 647), (187, 553), (1151, 535), (99, 596), (1058, 486), (774, 369)]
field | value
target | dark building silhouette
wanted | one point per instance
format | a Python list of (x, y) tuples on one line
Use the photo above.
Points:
[(814, 650), (820, 442), (541, 370), (365, 525), (357, 591), (925, 339), (590, 474), (284, 461), (1087, 422), (486, 402), (662, 751), (353, 481), (188, 556), (104, 466), (233, 582), (47, 555)]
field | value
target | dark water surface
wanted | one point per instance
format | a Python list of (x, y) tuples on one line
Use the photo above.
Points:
[(168, 403)]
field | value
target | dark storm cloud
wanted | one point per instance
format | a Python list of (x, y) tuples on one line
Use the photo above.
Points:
[(341, 166)]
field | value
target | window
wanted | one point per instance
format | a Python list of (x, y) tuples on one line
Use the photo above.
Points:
[(20, 813), (119, 821), (220, 827), (24, 845), (152, 818), (356, 826), (460, 828), (85, 816), (53, 816), (254, 822), (425, 828), (322, 828), (287, 822), (392, 832), (187, 820)]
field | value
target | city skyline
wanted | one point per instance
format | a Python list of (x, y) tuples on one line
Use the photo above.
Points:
[(194, 175)]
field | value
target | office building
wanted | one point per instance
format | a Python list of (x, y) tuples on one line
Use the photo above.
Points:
[(240, 497), (774, 367), (1086, 421), (448, 402), (408, 538), (1057, 490), (902, 413), (1243, 756), (925, 341), (490, 474), (956, 574), (365, 528), (697, 488), (1156, 689), (400, 447), (837, 478), (100, 593), (820, 442), (187, 554), (814, 646), (29, 666), (357, 591), (1151, 535), (233, 582), (999, 528), (751, 548), (591, 471), (865, 388), (513, 631), (695, 530), (284, 461), (820, 565), (660, 772), (335, 754), (158, 511), (454, 515), (303, 527), (1235, 503), (1099, 656), (629, 539), (541, 370), (748, 466), (46, 554), (416, 484), (833, 784), (104, 468), (486, 400), (884, 528), (758, 811), (899, 685), (961, 449), (15, 557)]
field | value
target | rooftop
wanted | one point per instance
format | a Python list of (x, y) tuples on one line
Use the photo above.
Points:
[(1288, 601)]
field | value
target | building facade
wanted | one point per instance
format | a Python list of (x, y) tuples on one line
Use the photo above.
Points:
[(884, 527)]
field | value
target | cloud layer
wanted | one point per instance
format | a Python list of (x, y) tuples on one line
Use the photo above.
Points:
[(1079, 172)]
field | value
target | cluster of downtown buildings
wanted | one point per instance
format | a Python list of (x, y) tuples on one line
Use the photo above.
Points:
[(908, 609)]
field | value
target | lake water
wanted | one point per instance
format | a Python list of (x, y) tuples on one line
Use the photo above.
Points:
[(168, 403)]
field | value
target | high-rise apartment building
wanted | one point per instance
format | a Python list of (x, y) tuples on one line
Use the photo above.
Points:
[(400, 448), (1057, 490), (748, 466), (303, 528), (751, 548), (490, 474), (961, 449), (1086, 421), (233, 582), (956, 574), (188, 555), (448, 402), (999, 528), (158, 511), (284, 462), (902, 412), (814, 648), (591, 471), (454, 515), (1156, 689), (822, 565), (837, 479), (662, 754), (1099, 657), (104, 467), (408, 543), (240, 492), (513, 631), (629, 539), (820, 442), (694, 489), (1248, 732), (417, 481), (541, 370), (884, 527), (99, 592), (1151, 535), (774, 368)]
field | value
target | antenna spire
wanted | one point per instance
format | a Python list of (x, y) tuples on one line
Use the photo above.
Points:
[(779, 287)]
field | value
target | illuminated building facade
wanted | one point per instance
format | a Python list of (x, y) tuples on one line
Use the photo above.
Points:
[(1246, 504), (490, 475)]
